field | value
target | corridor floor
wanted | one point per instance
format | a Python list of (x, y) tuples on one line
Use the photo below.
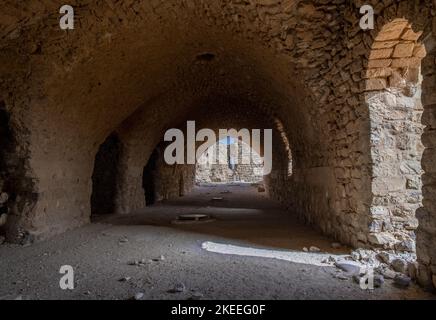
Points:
[(119, 256)]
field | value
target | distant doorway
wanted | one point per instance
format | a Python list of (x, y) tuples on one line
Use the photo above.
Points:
[(148, 179)]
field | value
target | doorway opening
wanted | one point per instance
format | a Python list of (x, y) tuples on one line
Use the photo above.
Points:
[(105, 176), (148, 179), (229, 160)]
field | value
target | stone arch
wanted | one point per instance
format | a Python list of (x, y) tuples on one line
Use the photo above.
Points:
[(393, 96), (252, 58), (399, 88), (214, 164), (105, 176), (17, 187)]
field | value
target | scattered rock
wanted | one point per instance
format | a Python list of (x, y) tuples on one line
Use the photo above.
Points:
[(382, 238), (138, 296), (402, 281), (27, 239), (341, 277), (355, 256), (365, 255), (260, 189), (178, 288), (305, 249), (141, 262), (196, 295), (314, 249), (389, 274), (124, 279), (379, 280), (123, 240), (399, 265), (217, 198), (133, 263), (385, 257), (329, 260), (161, 258), (348, 267), (357, 278), (2, 239)]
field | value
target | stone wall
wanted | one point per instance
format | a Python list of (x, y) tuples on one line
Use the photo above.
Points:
[(214, 166), (394, 99), (105, 176), (172, 181), (426, 232)]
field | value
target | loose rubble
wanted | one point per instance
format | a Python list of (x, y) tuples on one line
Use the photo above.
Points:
[(399, 267), (178, 288)]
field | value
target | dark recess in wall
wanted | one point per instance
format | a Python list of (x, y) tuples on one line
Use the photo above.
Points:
[(105, 176), (148, 177)]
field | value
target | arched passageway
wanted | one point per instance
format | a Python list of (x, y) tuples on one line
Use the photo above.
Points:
[(229, 160), (105, 176), (344, 106)]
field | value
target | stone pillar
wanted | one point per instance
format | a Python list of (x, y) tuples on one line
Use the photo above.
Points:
[(426, 233), (393, 96), (130, 193)]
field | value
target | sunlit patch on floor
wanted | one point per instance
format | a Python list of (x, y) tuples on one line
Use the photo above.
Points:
[(292, 256)]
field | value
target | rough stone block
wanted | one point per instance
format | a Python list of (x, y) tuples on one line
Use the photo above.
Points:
[(380, 54), (382, 238), (419, 51), (375, 84), (410, 35), (267, 2), (406, 62), (404, 50), (382, 63), (392, 31), (396, 80), (378, 73), (384, 44)]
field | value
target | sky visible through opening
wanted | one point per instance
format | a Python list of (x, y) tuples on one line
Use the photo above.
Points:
[(227, 141)]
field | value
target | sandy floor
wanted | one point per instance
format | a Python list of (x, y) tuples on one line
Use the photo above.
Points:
[(100, 254)]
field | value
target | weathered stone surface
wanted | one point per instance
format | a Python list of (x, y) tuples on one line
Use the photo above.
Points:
[(382, 53), (348, 267), (392, 31), (402, 281), (376, 84), (403, 50), (381, 63), (399, 265), (229, 163)]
